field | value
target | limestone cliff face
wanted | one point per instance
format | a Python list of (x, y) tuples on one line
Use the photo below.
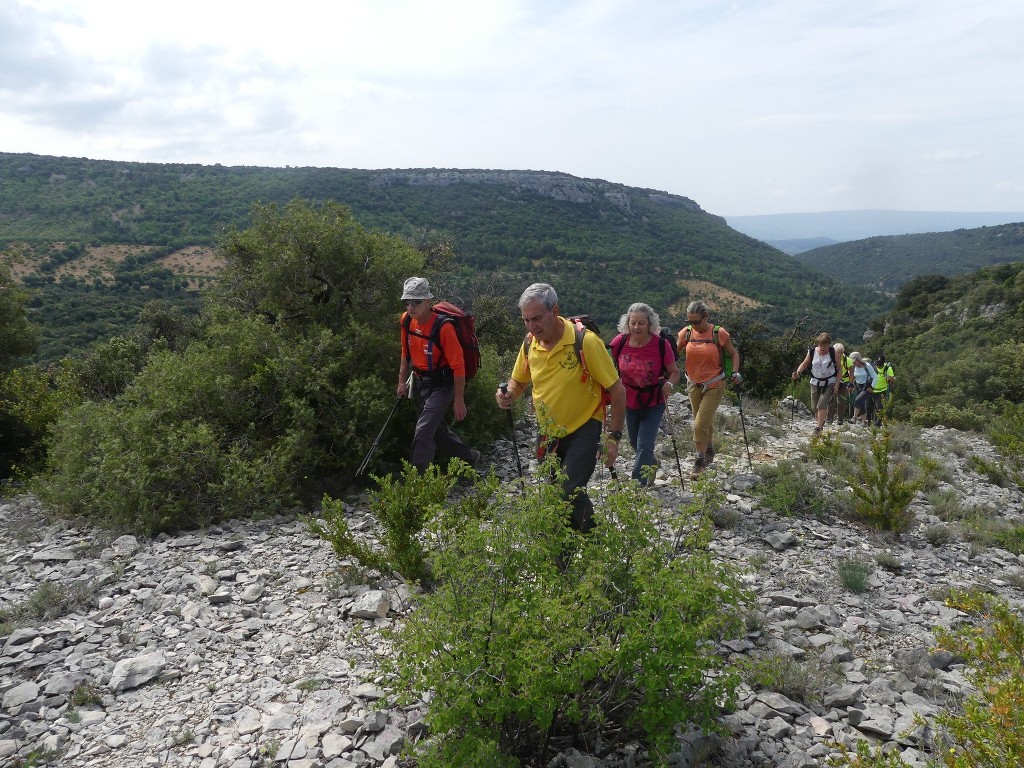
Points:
[(558, 186)]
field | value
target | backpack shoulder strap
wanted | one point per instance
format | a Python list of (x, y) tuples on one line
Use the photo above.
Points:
[(616, 348), (406, 324), (577, 347)]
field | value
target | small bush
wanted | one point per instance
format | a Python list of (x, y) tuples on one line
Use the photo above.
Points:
[(854, 574), (937, 535), (988, 532), (786, 489), (889, 562), (401, 505), (829, 451), (931, 473), (1007, 433), (804, 681), (965, 419), (49, 601), (906, 439), (84, 695), (536, 636), (726, 517), (882, 492), (867, 756), (993, 471), (989, 729), (947, 505)]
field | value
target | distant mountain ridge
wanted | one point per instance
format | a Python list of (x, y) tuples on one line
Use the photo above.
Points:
[(857, 225), (886, 263), (604, 245)]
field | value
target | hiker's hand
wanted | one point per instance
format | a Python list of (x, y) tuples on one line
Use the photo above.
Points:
[(736, 377), (503, 399), (460, 409), (611, 452), (796, 375), (403, 389)]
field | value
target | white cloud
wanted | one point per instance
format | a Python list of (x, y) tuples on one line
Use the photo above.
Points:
[(864, 103)]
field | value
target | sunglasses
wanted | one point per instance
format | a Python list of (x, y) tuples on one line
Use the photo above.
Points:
[(414, 302)]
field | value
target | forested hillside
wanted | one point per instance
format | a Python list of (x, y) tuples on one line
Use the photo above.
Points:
[(886, 263), (957, 341), (602, 244)]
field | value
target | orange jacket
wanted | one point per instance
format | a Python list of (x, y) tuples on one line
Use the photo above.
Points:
[(423, 355)]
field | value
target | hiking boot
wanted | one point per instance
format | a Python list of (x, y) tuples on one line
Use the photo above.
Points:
[(709, 455), (699, 464), (817, 431), (476, 460)]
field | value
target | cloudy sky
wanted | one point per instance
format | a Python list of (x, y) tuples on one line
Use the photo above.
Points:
[(746, 106)]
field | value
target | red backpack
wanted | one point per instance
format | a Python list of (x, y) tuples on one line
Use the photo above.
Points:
[(465, 329)]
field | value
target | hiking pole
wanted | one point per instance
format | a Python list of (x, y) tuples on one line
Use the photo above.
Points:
[(512, 428), (743, 423), (366, 461), (675, 448)]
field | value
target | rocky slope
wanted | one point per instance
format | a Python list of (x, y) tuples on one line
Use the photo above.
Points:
[(243, 645)]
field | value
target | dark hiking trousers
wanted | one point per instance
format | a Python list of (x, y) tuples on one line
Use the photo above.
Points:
[(577, 453), (432, 434)]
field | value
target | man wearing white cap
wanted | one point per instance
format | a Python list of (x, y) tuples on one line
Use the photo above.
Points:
[(431, 349)]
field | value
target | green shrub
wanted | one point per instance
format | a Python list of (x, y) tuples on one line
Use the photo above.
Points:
[(854, 573), (989, 728), (786, 489), (937, 535), (867, 756), (50, 600), (968, 419), (889, 562), (276, 400), (536, 635), (805, 681), (946, 505), (826, 449), (1007, 433), (881, 489), (401, 505), (213, 433), (726, 517), (84, 695), (931, 473), (31, 401), (993, 471), (989, 532)]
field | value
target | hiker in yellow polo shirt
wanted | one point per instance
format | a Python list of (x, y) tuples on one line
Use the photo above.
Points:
[(571, 387)]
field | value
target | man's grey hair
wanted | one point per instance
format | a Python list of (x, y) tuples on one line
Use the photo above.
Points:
[(697, 308), (641, 308), (541, 292)]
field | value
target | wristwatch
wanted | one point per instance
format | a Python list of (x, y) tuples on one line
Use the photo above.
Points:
[(615, 434)]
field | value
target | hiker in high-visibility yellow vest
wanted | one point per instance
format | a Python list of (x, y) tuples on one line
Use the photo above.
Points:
[(881, 392)]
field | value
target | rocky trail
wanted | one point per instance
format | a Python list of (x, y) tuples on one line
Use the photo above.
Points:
[(243, 645)]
